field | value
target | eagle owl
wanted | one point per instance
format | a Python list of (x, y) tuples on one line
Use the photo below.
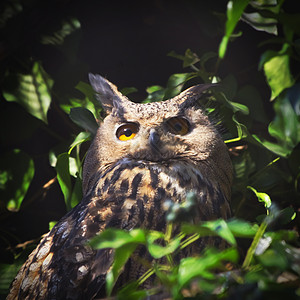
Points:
[(142, 155)]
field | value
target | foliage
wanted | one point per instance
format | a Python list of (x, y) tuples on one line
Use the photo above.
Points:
[(263, 257)]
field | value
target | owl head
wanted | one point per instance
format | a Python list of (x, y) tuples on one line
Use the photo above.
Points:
[(156, 133)]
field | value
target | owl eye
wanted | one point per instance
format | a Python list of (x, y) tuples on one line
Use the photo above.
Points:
[(127, 131), (178, 125)]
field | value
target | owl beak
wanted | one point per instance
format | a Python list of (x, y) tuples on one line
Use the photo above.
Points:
[(154, 140)]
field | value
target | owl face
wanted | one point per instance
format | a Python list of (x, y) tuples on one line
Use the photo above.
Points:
[(157, 134)]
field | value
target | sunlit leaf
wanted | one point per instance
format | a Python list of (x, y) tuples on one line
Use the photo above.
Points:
[(241, 228), (221, 228), (235, 8), (262, 197), (33, 91), (266, 56), (278, 74), (211, 228), (52, 224), (116, 238)]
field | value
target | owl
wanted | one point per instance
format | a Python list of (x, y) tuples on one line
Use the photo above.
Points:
[(142, 155)]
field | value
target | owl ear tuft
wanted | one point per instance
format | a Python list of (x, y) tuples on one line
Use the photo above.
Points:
[(191, 95), (106, 92)]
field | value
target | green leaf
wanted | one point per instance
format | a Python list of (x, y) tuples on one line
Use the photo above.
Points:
[(229, 87), (52, 224), (80, 138), (265, 57), (116, 238), (203, 266), (283, 235), (261, 23), (206, 57), (176, 83), (249, 96), (155, 93), (275, 148), (64, 177), (175, 55), (128, 90), (278, 74), (211, 228), (221, 228), (7, 273), (234, 106), (190, 58), (286, 125), (271, 258), (33, 91), (158, 251), (241, 228), (262, 197), (76, 192), (16, 174), (90, 102), (121, 256), (235, 8), (84, 118), (130, 291)]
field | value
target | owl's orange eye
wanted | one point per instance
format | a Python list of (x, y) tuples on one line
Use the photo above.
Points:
[(127, 131), (178, 125)]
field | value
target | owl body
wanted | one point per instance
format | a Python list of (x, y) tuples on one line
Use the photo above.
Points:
[(141, 156)]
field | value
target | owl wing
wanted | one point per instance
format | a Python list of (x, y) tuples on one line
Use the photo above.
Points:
[(64, 266)]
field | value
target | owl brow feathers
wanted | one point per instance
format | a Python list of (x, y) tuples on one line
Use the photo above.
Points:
[(109, 96)]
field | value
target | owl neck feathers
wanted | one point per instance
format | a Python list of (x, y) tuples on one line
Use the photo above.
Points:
[(128, 182)]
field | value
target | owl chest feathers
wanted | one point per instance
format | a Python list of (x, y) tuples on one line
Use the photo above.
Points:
[(135, 191)]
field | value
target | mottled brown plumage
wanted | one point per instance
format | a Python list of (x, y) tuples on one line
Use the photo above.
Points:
[(142, 155)]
